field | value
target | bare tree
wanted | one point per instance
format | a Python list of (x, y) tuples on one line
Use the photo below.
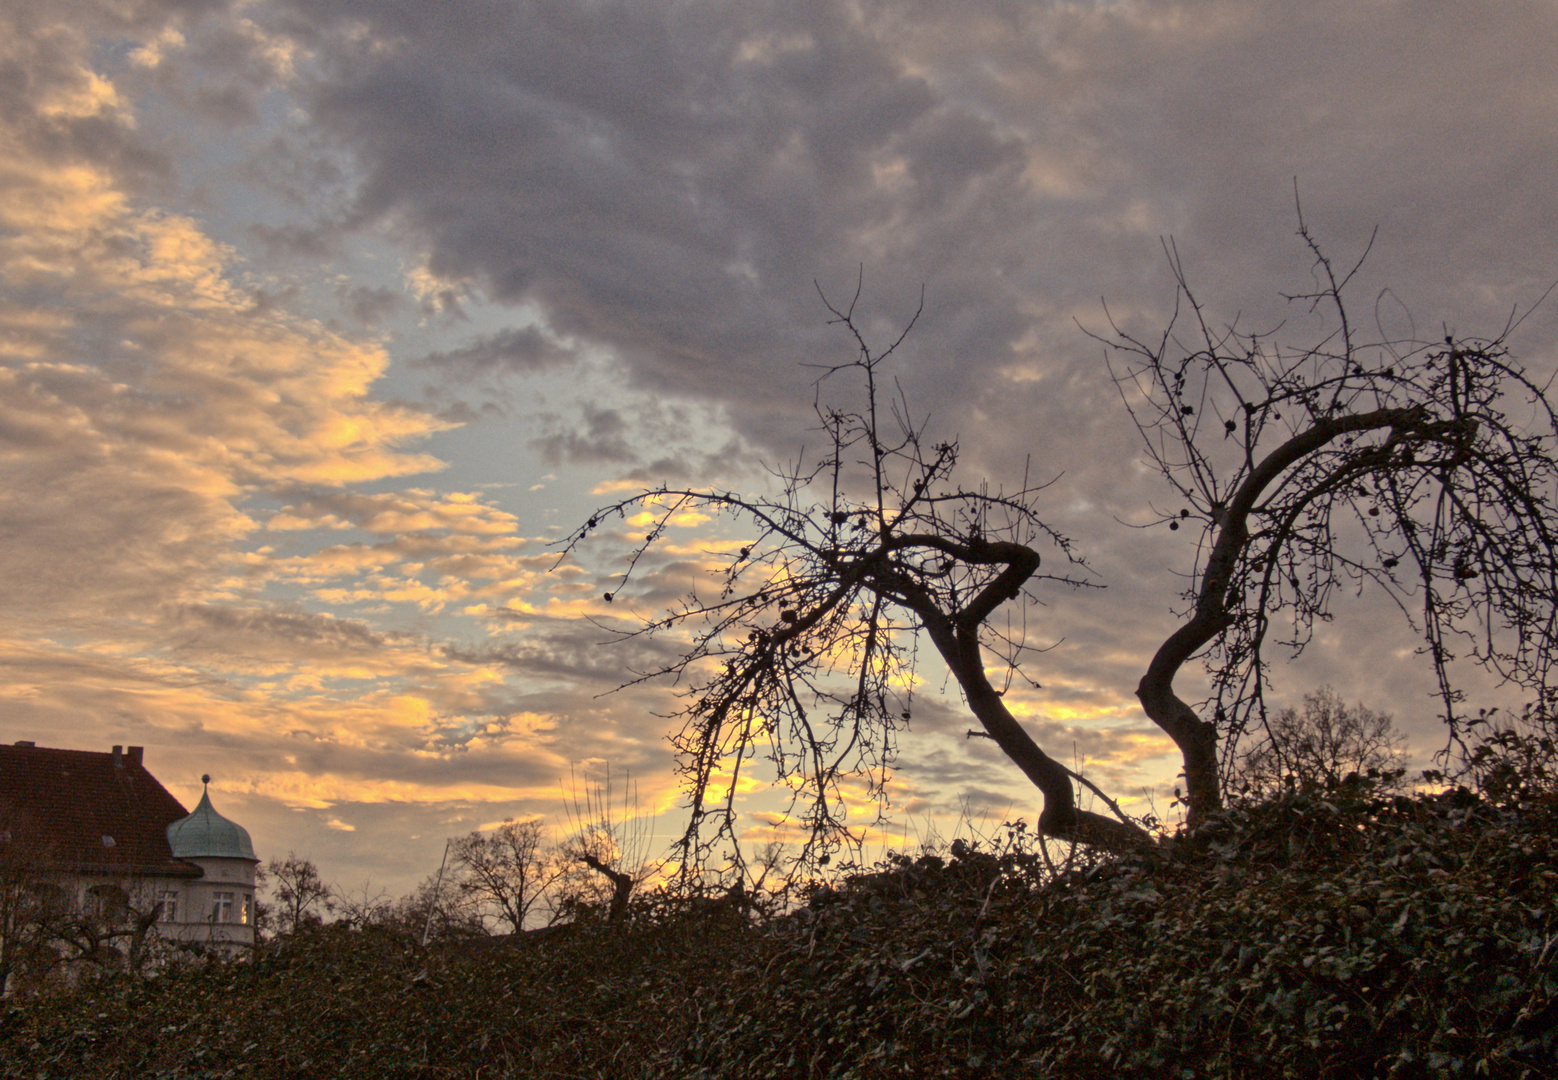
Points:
[(433, 911), (300, 893), (44, 927), (506, 871), (804, 650), (364, 905), (1319, 748), (1425, 470)]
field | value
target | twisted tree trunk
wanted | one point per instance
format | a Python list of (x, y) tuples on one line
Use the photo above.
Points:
[(621, 885)]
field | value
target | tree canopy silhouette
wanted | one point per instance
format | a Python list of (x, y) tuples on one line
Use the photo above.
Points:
[(1424, 469)]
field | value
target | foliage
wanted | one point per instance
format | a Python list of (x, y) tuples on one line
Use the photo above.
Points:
[(1510, 761), (1341, 934)]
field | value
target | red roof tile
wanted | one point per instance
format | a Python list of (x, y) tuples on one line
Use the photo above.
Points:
[(66, 803)]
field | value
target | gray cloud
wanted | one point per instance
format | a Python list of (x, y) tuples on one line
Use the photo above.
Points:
[(368, 306), (574, 651), (674, 203), (601, 440), (525, 350), (265, 637)]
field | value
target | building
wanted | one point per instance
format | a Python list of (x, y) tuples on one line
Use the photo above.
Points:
[(98, 860)]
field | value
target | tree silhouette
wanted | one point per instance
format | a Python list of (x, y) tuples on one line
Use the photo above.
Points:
[(610, 838), (507, 870), (804, 651), (1425, 470), (1341, 463), (1319, 747), (299, 891)]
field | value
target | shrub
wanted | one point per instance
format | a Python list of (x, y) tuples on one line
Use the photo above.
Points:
[(1340, 933)]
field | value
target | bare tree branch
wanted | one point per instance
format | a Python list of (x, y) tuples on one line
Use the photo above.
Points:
[(1327, 466), (802, 654)]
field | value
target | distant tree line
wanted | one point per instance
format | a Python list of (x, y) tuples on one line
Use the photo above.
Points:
[(509, 879)]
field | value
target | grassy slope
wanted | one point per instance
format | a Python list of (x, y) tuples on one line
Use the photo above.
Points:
[(1301, 938)]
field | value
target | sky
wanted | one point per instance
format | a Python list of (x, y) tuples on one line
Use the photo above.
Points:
[(322, 321)]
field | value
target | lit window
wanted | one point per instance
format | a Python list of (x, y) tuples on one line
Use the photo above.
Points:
[(169, 912), (248, 909), (221, 907)]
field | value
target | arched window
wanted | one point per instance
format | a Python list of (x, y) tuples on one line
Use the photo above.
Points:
[(108, 903)]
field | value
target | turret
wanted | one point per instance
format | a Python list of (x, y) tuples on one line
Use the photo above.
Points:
[(219, 907)]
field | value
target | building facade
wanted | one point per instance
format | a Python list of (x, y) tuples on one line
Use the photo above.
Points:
[(99, 863)]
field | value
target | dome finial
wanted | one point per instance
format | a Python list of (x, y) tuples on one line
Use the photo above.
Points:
[(205, 779)]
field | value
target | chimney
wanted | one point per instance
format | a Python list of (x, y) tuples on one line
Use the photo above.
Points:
[(118, 757), (25, 742), (136, 752)]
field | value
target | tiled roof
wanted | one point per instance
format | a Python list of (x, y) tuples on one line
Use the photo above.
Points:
[(89, 812)]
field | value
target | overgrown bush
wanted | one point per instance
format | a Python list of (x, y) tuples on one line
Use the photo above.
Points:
[(1339, 933), (1302, 937)]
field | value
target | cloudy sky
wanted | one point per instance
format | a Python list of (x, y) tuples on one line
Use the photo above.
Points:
[(321, 320)]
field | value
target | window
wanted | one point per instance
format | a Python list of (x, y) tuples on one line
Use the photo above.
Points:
[(221, 907), (248, 909), (109, 903), (169, 899)]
